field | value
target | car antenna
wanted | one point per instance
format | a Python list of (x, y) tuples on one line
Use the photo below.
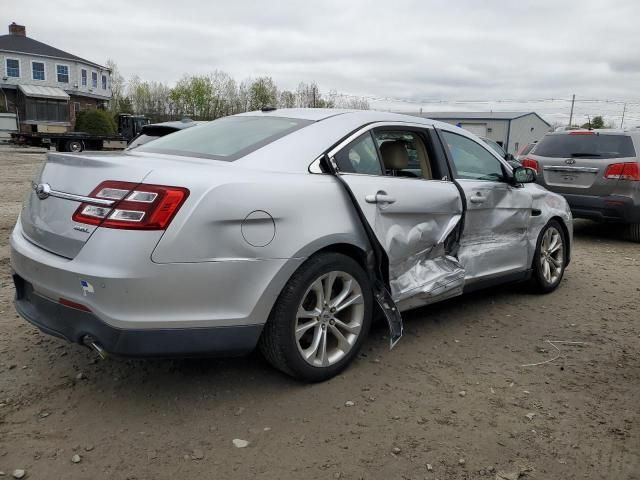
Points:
[(268, 108)]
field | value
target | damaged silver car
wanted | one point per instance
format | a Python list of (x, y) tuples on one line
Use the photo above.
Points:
[(283, 229)]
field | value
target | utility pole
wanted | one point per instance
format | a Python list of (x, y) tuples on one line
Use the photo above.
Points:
[(313, 91), (573, 101), (624, 109)]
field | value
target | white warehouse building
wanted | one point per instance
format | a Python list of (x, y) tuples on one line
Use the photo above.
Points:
[(511, 130)]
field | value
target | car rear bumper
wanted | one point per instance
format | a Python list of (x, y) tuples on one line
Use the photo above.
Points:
[(610, 208), (76, 325), (140, 308)]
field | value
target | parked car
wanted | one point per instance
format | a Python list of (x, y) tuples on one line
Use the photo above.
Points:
[(524, 150), (597, 171), (156, 130), (282, 229)]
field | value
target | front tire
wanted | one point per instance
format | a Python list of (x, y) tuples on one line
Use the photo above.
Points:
[(550, 258), (320, 319)]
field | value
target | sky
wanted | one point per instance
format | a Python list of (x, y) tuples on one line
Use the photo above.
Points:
[(403, 55)]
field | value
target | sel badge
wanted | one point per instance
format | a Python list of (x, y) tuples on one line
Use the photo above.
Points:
[(86, 287)]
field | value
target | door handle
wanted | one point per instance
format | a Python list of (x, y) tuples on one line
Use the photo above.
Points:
[(478, 199), (380, 197)]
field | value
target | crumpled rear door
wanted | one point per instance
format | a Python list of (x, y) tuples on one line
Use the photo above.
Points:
[(412, 219)]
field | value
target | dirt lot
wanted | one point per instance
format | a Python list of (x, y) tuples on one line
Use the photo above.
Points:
[(452, 401)]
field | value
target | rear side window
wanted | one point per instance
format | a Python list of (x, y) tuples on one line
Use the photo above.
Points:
[(591, 145), (360, 156), (227, 138)]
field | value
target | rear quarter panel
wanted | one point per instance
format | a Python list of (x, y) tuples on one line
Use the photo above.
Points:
[(308, 212)]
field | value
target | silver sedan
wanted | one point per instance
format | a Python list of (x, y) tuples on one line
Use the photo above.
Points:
[(282, 229)]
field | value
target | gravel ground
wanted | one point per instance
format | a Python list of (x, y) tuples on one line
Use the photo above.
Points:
[(451, 401)]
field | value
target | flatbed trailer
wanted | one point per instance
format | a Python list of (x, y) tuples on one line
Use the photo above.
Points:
[(128, 127), (70, 141)]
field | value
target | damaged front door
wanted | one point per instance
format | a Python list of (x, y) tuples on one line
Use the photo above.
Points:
[(394, 177)]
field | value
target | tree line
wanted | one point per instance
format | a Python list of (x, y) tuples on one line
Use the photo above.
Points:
[(207, 97)]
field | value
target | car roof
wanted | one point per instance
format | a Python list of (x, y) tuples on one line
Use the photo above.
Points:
[(328, 127), (600, 131)]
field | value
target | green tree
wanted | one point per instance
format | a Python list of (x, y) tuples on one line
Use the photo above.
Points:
[(597, 122), (95, 122), (263, 93)]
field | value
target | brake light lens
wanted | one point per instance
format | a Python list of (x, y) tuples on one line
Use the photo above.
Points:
[(531, 163), (136, 206), (623, 171), (581, 132)]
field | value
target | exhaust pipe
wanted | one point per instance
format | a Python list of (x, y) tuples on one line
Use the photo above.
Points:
[(90, 342)]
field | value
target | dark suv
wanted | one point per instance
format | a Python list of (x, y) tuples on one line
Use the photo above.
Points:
[(597, 171)]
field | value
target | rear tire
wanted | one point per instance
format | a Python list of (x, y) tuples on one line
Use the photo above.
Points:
[(633, 232), (74, 146), (550, 258), (312, 335)]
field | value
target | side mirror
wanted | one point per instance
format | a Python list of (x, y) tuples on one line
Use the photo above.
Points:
[(524, 175), (509, 157)]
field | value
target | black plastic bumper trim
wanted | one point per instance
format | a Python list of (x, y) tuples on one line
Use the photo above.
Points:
[(73, 325), (609, 208)]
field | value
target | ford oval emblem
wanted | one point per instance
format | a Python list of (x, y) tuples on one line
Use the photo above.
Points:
[(43, 190)]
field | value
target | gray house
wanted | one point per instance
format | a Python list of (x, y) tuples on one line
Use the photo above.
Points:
[(46, 86), (512, 130)]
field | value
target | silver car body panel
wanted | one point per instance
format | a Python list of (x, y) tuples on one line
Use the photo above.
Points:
[(248, 225)]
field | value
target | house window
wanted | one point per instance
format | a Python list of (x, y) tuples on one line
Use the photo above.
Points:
[(63, 73), (46, 110), (104, 82), (83, 77), (13, 68), (94, 79), (37, 69), (76, 107)]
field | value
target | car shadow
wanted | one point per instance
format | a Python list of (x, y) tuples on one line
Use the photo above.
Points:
[(587, 229)]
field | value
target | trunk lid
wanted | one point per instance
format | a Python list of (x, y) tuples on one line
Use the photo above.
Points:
[(46, 220)]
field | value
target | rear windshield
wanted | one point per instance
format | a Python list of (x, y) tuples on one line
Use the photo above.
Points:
[(585, 145), (227, 138)]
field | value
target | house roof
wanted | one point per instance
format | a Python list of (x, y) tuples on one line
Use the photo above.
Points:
[(27, 45), (477, 115), (39, 91)]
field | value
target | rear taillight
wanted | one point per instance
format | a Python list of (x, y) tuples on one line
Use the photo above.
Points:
[(582, 132), (623, 171), (531, 163), (135, 207)]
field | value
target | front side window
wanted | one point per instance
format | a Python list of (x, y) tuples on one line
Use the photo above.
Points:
[(471, 160), (38, 70), (104, 82), (13, 68), (94, 79), (83, 77), (227, 138), (63, 73), (360, 156)]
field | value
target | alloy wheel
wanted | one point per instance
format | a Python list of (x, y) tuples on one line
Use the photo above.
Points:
[(329, 319), (551, 255)]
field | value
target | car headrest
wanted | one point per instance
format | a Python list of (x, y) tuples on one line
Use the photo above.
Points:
[(394, 155)]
